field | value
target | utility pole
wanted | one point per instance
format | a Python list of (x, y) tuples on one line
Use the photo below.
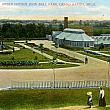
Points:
[(53, 63)]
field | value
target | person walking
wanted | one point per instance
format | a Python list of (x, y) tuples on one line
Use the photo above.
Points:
[(102, 101), (89, 100), (86, 60)]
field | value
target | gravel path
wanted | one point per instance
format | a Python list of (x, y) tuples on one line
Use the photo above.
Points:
[(95, 70)]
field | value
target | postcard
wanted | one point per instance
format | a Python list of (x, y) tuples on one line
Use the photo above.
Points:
[(54, 55)]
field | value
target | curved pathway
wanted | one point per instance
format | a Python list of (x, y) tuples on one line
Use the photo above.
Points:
[(46, 55), (95, 70)]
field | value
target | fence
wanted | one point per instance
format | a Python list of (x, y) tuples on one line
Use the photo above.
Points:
[(58, 84)]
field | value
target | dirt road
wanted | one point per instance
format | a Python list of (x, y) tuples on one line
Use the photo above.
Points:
[(74, 108)]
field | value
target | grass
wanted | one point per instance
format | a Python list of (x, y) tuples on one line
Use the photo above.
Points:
[(42, 99), (96, 48), (60, 56), (23, 55), (29, 55), (102, 108), (73, 48), (94, 56), (12, 44)]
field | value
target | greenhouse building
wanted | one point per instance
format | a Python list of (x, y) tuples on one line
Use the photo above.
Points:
[(74, 38)]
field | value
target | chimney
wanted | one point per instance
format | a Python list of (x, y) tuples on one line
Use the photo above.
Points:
[(65, 22)]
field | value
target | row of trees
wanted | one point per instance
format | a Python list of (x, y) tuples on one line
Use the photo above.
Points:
[(27, 31), (97, 31)]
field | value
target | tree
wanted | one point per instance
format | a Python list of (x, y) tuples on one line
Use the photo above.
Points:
[(41, 47), (30, 29), (49, 29), (1, 38), (41, 31), (36, 58), (61, 27), (27, 31), (13, 58)]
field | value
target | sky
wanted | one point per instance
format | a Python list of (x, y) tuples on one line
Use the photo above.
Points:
[(55, 9)]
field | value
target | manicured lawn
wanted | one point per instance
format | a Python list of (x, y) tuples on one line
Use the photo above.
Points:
[(28, 55), (42, 99), (23, 55), (95, 56), (60, 56)]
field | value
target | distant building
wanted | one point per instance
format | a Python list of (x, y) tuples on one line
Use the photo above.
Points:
[(54, 34), (54, 21), (49, 37), (104, 38), (74, 38)]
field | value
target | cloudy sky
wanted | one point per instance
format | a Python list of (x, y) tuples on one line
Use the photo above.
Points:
[(54, 9)]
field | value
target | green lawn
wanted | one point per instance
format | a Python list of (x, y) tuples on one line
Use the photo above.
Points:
[(42, 99), (94, 56), (60, 56), (28, 55), (23, 55), (96, 48), (103, 108), (73, 48)]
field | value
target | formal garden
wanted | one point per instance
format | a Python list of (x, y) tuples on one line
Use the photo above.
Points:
[(60, 56), (90, 52), (26, 59)]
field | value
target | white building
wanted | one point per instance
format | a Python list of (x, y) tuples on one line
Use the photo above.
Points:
[(104, 38), (74, 38)]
